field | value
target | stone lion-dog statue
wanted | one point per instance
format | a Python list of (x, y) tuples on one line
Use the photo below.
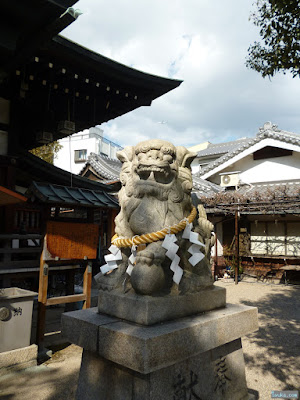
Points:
[(155, 196)]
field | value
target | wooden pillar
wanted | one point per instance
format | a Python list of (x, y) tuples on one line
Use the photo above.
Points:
[(216, 272), (87, 285), (237, 252), (42, 300)]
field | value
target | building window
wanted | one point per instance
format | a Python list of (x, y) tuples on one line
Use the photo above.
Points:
[(80, 155)]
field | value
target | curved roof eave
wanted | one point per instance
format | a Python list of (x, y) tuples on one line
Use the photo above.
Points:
[(114, 69)]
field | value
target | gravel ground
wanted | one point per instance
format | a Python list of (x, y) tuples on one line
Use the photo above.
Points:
[(271, 354)]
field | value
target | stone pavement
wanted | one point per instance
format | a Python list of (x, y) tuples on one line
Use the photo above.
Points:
[(271, 354)]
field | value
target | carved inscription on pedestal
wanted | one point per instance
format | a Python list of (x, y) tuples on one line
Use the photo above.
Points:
[(186, 388), (221, 375)]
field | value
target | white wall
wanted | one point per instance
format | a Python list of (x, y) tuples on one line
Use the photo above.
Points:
[(65, 157), (270, 170), (90, 140), (261, 171), (275, 238)]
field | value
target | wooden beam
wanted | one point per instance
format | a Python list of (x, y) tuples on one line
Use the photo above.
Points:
[(65, 299), (31, 249)]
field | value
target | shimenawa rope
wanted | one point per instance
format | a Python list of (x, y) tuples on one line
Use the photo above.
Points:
[(154, 236)]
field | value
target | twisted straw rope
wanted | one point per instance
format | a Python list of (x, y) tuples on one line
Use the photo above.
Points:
[(154, 236)]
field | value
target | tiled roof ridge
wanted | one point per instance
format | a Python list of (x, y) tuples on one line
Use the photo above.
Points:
[(205, 186), (263, 133), (224, 144), (296, 182), (99, 164)]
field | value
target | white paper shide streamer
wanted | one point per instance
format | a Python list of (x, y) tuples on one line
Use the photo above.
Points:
[(131, 259), (168, 244), (171, 247), (111, 259)]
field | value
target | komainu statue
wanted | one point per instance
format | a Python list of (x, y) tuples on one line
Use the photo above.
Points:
[(162, 244)]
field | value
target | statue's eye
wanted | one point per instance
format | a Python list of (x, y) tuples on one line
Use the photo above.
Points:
[(168, 150), (142, 149)]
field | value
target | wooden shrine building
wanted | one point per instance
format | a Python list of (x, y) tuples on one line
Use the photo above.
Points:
[(51, 87)]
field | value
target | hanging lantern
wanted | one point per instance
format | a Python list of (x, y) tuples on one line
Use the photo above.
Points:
[(44, 137), (66, 127)]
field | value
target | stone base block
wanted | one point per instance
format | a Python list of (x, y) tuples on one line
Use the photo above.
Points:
[(214, 375), (149, 310), (196, 357), (18, 359)]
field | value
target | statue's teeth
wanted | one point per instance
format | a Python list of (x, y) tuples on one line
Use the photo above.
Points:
[(151, 176)]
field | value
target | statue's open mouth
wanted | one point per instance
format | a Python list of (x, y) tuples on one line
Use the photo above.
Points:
[(153, 174)]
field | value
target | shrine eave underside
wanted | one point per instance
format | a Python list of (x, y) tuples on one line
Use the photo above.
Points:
[(52, 81)]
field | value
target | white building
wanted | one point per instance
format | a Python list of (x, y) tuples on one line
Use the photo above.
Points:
[(258, 178), (77, 147)]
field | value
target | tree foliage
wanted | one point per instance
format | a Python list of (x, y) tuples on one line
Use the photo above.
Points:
[(47, 152), (279, 23)]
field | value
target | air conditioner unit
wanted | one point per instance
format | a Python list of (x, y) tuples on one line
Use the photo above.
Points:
[(44, 137), (230, 179)]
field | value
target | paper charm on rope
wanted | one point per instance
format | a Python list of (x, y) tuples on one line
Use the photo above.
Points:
[(131, 259), (111, 259), (187, 231), (172, 248), (194, 250)]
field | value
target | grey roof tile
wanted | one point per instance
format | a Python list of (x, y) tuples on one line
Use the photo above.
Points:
[(71, 196), (221, 148), (107, 168)]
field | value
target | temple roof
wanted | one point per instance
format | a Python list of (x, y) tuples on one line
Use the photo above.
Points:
[(8, 196), (103, 167), (205, 188), (57, 86), (31, 168), (70, 196)]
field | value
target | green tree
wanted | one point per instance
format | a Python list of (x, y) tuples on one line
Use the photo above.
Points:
[(47, 152), (279, 23)]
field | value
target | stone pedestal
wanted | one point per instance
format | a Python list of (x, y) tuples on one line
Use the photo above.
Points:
[(196, 357), (149, 310)]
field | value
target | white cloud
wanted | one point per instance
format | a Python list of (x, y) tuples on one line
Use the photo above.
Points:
[(205, 44)]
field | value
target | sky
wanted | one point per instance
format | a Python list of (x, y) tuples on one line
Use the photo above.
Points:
[(202, 42)]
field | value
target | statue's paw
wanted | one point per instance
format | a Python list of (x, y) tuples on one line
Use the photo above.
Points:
[(110, 280), (191, 282)]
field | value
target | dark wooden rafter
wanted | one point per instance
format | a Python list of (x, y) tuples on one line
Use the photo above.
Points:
[(66, 82), (28, 24)]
